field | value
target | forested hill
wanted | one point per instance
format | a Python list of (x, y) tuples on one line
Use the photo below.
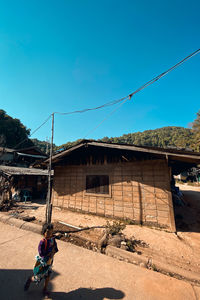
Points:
[(13, 134), (162, 137), (44, 146)]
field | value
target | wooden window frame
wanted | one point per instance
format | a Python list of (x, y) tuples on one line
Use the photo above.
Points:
[(98, 194)]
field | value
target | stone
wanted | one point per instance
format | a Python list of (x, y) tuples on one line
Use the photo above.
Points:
[(142, 265), (115, 241), (103, 241), (123, 243), (28, 219), (124, 247)]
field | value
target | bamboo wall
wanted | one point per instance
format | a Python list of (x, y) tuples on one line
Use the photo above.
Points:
[(139, 191)]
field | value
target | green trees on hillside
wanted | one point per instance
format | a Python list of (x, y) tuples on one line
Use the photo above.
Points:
[(13, 132), (68, 145), (196, 130), (163, 137), (171, 136), (44, 146)]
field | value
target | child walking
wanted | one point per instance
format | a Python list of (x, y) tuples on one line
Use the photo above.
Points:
[(43, 266)]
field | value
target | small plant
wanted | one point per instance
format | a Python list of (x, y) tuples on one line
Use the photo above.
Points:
[(129, 222), (115, 228), (131, 245), (154, 268)]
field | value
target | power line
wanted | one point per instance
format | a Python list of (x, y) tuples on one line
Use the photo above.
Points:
[(136, 91), (34, 131), (112, 112), (111, 103), (165, 73), (94, 108), (144, 86)]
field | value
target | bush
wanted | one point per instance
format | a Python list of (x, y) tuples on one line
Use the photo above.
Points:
[(115, 228)]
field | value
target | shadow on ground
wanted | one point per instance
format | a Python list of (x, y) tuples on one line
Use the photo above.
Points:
[(39, 201), (12, 285), (25, 206), (89, 294), (188, 217)]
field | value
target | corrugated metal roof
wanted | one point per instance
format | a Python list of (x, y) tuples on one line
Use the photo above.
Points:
[(175, 154), (23, 171), (25, 151), (31, 155), (2, 149)]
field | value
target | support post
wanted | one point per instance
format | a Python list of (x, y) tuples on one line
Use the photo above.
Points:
[(49, 193)]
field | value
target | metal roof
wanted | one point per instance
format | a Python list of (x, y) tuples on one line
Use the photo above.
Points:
[(31, 155), (188, 156), (23, 171), (3, 149), (25, 151)]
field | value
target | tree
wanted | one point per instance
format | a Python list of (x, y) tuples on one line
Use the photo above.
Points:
[(162, 137), (13, 134), (44, 146), (196, 129)]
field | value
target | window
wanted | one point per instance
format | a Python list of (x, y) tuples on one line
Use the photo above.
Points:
[(97, 184)]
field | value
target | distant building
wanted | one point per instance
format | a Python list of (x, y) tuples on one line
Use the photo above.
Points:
[(24, 181), (15, 166), (22, 157)]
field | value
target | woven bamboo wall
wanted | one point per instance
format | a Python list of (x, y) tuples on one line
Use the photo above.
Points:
[(139, 191)]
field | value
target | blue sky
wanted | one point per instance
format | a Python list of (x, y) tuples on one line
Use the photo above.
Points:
[(66, 55)]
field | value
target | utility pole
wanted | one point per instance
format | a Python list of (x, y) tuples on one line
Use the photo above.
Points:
[(49, 193), (47, 145)]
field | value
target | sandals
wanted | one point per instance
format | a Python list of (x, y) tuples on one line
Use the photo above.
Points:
[(27, 284), (45, 294)]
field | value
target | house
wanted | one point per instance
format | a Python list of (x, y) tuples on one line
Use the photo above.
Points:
[(6, 155), (15, 166), (22, 157), (120, 181), (31, 180)]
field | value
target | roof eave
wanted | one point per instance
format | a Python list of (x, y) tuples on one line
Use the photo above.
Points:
[(172, 155)]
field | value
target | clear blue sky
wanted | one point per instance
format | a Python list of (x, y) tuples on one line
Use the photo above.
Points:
[(66, 55)]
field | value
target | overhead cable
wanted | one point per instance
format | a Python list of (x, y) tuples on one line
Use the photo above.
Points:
[(94, 108), (136, 91), (143, 87), (165, 73), (114, 102), (112, 112), (34, 131)]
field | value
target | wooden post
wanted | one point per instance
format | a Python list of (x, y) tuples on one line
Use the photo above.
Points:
[(49, 193)]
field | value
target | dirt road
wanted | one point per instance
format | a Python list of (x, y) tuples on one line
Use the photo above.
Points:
[(181, 250), (81, 274)]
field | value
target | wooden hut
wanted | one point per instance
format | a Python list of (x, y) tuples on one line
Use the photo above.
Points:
[(21, 158), (20, 179), (120, 181)]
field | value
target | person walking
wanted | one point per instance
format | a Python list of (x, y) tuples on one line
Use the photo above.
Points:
[(44, 261)]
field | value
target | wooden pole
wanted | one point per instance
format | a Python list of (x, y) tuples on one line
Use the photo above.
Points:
[(49, 193)]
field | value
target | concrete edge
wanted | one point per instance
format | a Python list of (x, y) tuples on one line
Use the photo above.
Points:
[(154, 264), (20, 224)]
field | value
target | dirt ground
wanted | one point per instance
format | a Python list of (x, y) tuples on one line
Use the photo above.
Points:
[(181, 249)]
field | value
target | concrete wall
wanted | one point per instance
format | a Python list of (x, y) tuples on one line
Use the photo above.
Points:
[(139, 191)]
